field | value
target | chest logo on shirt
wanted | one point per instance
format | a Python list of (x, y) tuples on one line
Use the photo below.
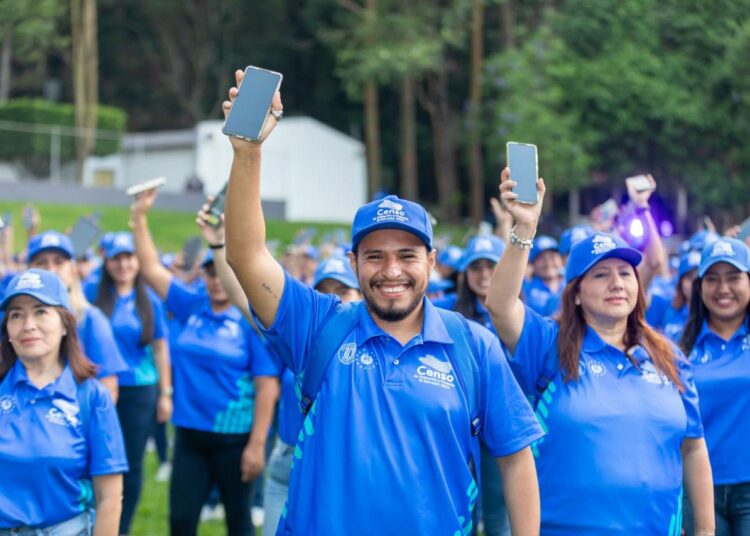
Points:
[(434, 372), (597, 368), (347, 352), (649, 374), (63, 413), (365, 360), (230, 330), (746, 343), (7, 403)]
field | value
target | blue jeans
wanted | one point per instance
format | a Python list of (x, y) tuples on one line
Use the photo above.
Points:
[(136, 408), (277, 485), (494, 511), (81, 525), (732, 508)]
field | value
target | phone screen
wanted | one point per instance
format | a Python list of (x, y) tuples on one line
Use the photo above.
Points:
[(522, 162), (191, 250), (83, 234), (250, 109), (216, 209)]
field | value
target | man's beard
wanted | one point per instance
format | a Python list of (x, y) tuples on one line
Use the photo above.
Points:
[(390, 313)]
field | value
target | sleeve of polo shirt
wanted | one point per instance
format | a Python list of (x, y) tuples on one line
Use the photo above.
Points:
[(106, 446), (299, 317), (181, 300), (101, 346), (689, 396), (508, 422), (262, 361), (160, 317), (538, 339)]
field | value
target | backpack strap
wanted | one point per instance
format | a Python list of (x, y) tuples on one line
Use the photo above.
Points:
[(339, 324)]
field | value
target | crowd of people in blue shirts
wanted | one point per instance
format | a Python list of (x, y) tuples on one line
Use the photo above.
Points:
[(385, 385)]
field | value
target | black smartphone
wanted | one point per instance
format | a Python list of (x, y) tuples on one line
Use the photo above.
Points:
[(524, 170), (85, 231), (190, 251), (250, 109), (216, 208)]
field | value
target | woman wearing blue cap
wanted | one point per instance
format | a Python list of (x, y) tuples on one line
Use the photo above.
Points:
[(53, 251), (61, 448), (477, 264), (225, 390), (139, 325), (616, 398), (717, 341), (542, 292)]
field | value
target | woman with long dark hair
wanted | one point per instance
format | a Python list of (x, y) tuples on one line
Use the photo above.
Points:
[(717, 340), (139, 325), (615, 397), (61, 448)]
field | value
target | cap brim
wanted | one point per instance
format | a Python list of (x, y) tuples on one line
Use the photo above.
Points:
[(117, 250), (36, 295), (337, 277), (58, 249), (737, 264), (463, 266), (629, 255), (357, 238)]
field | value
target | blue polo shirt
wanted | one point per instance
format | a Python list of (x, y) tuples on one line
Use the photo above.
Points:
[(722, 375), (216, 357), (385, 425), (127, 326), (538, 296), (49, 452), (289, 415), (98, 343), (663, 316), (611, 461)]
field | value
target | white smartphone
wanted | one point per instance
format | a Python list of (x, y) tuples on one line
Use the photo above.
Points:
[(250, 109), (524, 170), (136, 189), (640, 183)]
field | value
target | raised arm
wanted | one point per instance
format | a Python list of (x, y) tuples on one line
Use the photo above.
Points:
[(655, 261), (156, 275), (503, 302), (261, 277), (215, 236)]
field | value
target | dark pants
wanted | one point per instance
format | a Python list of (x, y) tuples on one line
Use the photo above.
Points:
[(159, 433), (136, 408), (732, 508), (200, 460)]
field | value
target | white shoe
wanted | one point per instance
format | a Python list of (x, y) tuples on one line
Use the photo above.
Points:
[(164, 472), (150, 445), (215, 513), (258, 515)]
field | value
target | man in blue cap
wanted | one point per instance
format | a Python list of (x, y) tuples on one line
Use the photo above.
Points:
[(388, 445)]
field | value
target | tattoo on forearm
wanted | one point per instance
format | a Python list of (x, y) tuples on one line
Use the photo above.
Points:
[(270, 291)]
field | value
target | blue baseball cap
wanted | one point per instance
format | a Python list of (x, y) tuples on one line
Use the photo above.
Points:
[(450, 256), (311, 251), (729, 250), (337, 268), (42, 285), (597, 247), (688, 261), (481, 247), (121, 242), (573, 235), (105, 239), (392, 213), (50, 241), (541, 244), (208, 258), (699, 240)]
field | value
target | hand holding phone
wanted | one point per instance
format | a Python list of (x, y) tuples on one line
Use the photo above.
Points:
[(640, 189), (524, 171), (251, 107), (212, 216), (141, 187)]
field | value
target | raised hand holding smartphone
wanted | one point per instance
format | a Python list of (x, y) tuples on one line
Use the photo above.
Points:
[(252, 104), (524, 171)]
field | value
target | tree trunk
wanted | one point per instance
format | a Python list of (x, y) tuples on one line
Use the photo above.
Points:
[(507, 24), (476, 169), (5, 56), (85, 77), (409, 175), (445, 159), (372, 138)]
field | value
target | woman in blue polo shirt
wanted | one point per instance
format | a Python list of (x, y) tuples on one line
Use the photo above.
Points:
[(477, 264), (226, 388), (53, 251), (542, 292), (139, 325), (61, 447), (616, 398), (717, 341)]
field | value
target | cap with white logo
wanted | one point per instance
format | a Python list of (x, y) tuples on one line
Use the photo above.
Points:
[(481, 247), (688, 261), (597, 247), (42, 285), (729, 250), (337, 268), (572, 236), (121, 242), (50, 241), (392, 213), (541, 244)]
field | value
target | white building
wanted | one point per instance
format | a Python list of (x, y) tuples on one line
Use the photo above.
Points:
[(309, 170)]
